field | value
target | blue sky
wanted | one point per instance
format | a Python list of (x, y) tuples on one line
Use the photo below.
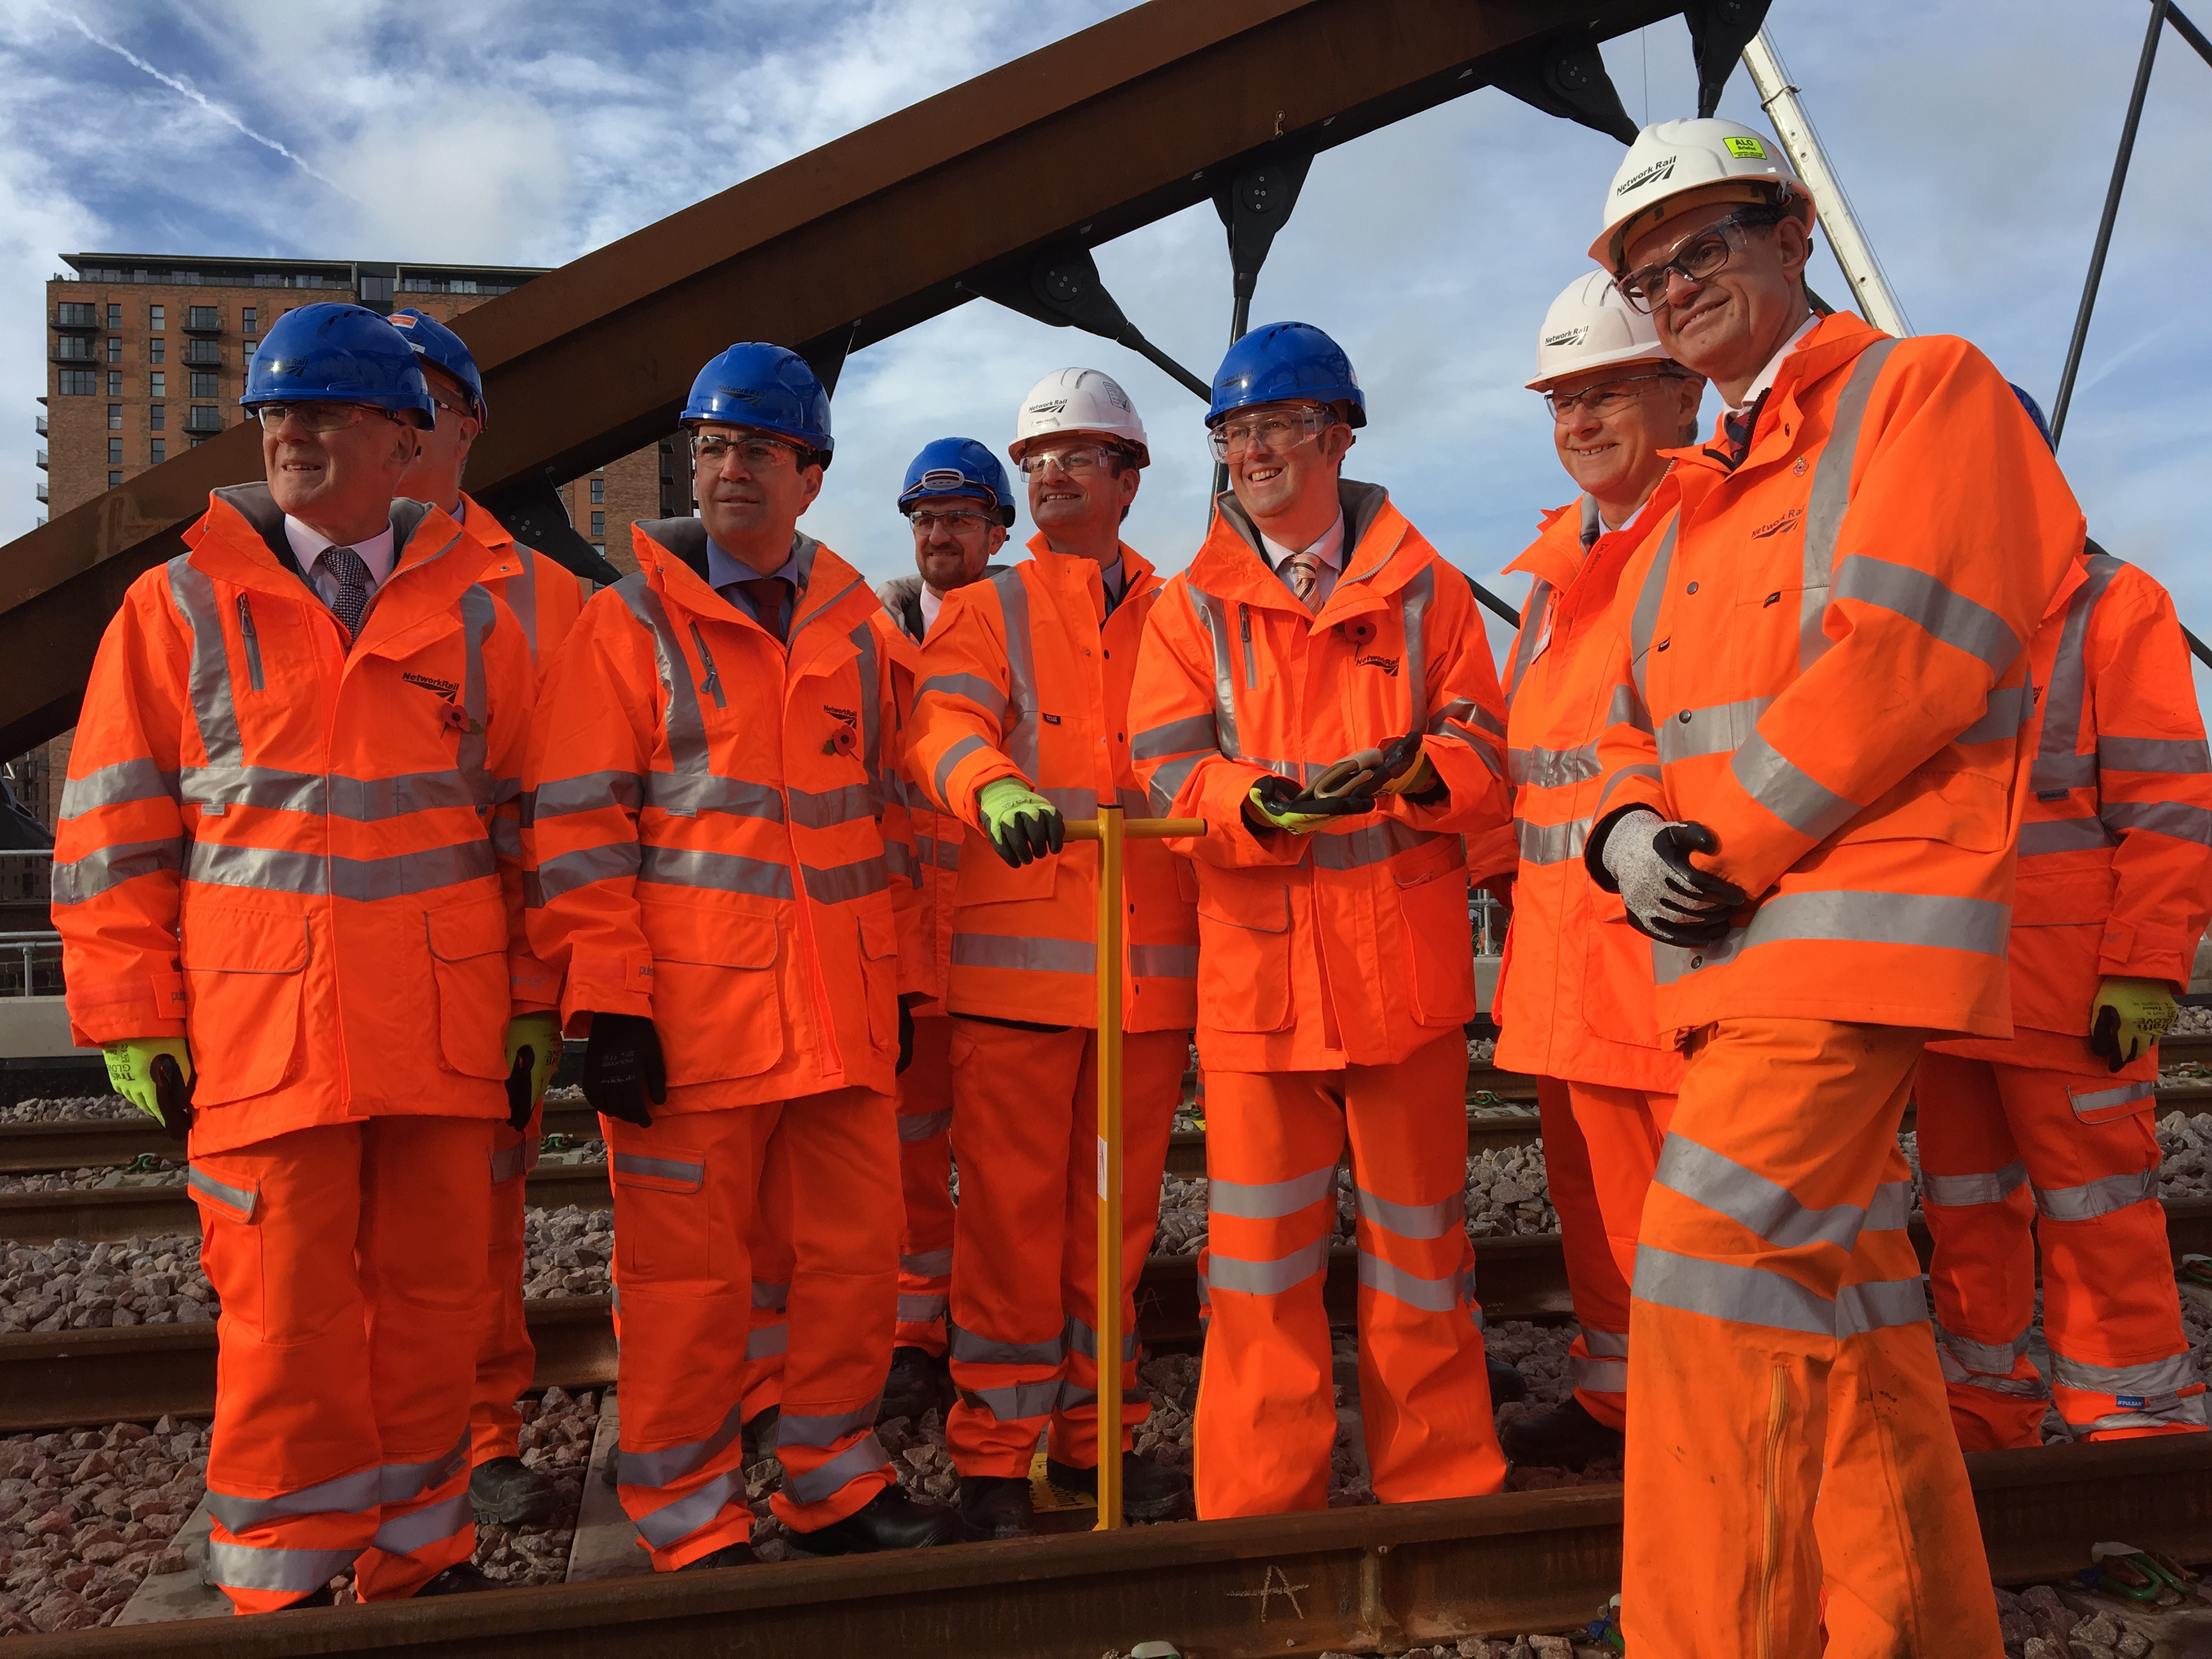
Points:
[(1975, 141)]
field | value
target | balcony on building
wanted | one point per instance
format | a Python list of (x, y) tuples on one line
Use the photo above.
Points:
[(203, 353), (42, 426), (204, 418), (42, 489), (42, 461), (203, 320), (72, 349), (78, 317)]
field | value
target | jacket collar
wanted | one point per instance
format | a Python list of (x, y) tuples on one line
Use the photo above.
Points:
[(1229, 565), (499, 541), (1829, 349), (672, 553), (1138, 574)]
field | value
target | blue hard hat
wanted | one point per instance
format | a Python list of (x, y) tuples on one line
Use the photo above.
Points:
[(766, 387), (436, 343), (1280, 363), (957, 466), (2034, 413), (338, 353)]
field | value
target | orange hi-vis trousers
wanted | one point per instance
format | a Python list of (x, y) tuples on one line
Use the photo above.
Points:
[(1600, 1145), (1791, 1465), (1024, 1325), (1266, 1412), (507, 1359), (350, 1262), (687, 1191), (925, 1126), (2005, 1149)]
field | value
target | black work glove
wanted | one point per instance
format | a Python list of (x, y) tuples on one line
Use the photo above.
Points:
[(1646, 860), (906, 1041), (174, 1092), (624, 1075)]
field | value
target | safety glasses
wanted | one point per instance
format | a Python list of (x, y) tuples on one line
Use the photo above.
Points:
[(755, 454), (926, 522), (1704, 255), (1601, 400), (1276, 431), (317, 417), (1071, 458)]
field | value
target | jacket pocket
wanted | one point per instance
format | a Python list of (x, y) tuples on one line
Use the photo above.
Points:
[(245, 971), (716, 1002), (663, 1210), (1244, 954), (987, 878), (468, 960), (879, 973), (1433, 910), (1967, 810)]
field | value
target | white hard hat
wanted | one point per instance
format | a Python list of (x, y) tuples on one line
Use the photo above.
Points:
[(1590, 326), (1674, 165), (1080, 400)]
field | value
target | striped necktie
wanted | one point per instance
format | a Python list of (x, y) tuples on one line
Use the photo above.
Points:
[(1305, 576), (351, 572)]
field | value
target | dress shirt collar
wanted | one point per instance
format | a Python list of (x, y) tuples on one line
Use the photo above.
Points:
[(1329, 549), (378, 552), (1765, 380)]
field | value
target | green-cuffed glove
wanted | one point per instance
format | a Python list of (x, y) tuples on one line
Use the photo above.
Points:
[(2128, 1016), (1022, 823), (1269, 806), (534, 1054), (154, 1074)]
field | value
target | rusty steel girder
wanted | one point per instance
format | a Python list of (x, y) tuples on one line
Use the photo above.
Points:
[(1075, 144)]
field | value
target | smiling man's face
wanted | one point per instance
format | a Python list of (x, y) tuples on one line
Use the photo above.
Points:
[(1080, 506), (1609, 454), (338, 479), (1726, 326)]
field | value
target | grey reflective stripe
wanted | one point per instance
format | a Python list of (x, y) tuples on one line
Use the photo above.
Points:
[(1723, 1290), (1176, 737), (1989, 1358), (680, 717), (479, 616), (1626, 709), (1071, 803), (1082, 1338), (843, 883), (725, 872), (1036, 956), (1016, 1403), (564, 874), (1486, 753), (1643, 621), (1788, 791), (870, 672), (1954, 1191), (974, 687), (951, 757), (1551, 844), (1892, 1208), (505, 838), (2164, 1412), (929, 1264), (924, 1126), (2056, 764), (1021, 743), (2162, 818), (899, 860), (1552, 768), (1168, 779), (213, 709), (2145, 1378), (2099, 1100), (1721, 729), (1414, 610), (767, 1341), (1164, 961), (1532, 629), (1621, 777), (1371, 843), (1937, 921), (285, 871), (2092, 1198), (864, 1456), (1430, 1295), (241, 1199), (967, 1349), (1213, 616), (524, 599), (509, 1162), (672, 1524), (2182, 755), (1610, 1345), (1830, 499), (2031, 1386), (2040, 836), (687, 794), (945, 855), (1433, 1220), (1269, 1201), (919, 1310), (660, 1168), (587, 792), (348, 1494), (2009, 708), (1942, 611), (107, 867), (767, 1296), (671, 1464), (123, 784), (1880, 1305), (793, 1429), (418, 1530), (250, 1566), (1749, 1199), (1070, 1398), (1599, 1375), (1229, 1273)]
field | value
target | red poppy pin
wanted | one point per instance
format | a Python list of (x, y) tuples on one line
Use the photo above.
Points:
[(1360, 632), (455, 719), (842, 741)]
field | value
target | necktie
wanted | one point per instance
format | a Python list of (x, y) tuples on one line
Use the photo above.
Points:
[(1305, 576), (352, 573), (1736, 430), (767, 594)]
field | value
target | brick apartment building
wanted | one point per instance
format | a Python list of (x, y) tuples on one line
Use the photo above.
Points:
[(147, 356)]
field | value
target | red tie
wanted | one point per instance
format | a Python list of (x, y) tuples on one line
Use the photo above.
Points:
[(767, 593)]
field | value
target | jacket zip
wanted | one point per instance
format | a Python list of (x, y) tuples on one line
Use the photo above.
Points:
[(1244, 633), (714, 681), (252, 642), (1777, 1418)]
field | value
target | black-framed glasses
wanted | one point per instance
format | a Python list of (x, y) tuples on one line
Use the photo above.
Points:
[(1602, 399), (1700, 255)]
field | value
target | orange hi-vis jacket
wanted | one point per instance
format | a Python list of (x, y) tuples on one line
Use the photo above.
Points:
[(937, 839), (1574, 994), (1828, 653), (2116, 850), (711, 838), (302, 859), (1026, 676), (1350, 945), (546, 597)]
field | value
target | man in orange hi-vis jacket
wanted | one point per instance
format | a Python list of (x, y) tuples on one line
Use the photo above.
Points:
[(718, 862), (1021, 722), (290, 899), (1336, 969), (1810, 794), (545, 599), (1574, 1003), (2047, 1139)]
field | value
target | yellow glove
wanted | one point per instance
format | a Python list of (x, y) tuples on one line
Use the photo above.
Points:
[(161, 1095), (537, 1035), (2128, 1016), (1264, 809)]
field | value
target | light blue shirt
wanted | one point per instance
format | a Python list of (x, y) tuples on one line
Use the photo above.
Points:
[(724, 571)]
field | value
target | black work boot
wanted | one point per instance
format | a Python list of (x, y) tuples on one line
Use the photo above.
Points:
[(1564, 1437), (506, 1492), (730, 1555), (758, 1435), (459, 1579), (1150, 1492), (1507, 1386), (918, 1382), (889, 1520), (997, 1506), (321, 1598)]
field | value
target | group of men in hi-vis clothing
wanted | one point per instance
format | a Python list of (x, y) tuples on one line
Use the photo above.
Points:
[(368, 809)]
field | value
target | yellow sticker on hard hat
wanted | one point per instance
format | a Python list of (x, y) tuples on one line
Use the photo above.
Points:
[(1748, 149)]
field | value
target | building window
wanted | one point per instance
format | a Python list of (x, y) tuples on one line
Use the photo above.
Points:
[(115, 417), (206, 386), (115, 383), (249, 319), (154, 318), (253, 346), (599, 492), (202, 417), (67, 315), (115, 452), (115, 316), (599, 525), (115, 348), (160, 451), (78, 382), (113, 479), (157, 383), (203, 317), (156, 351), (159, 421)]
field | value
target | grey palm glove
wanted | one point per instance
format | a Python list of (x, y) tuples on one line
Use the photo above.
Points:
[(1647, 860)]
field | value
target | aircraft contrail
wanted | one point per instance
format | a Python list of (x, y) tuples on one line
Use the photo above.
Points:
[(202, 100)]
